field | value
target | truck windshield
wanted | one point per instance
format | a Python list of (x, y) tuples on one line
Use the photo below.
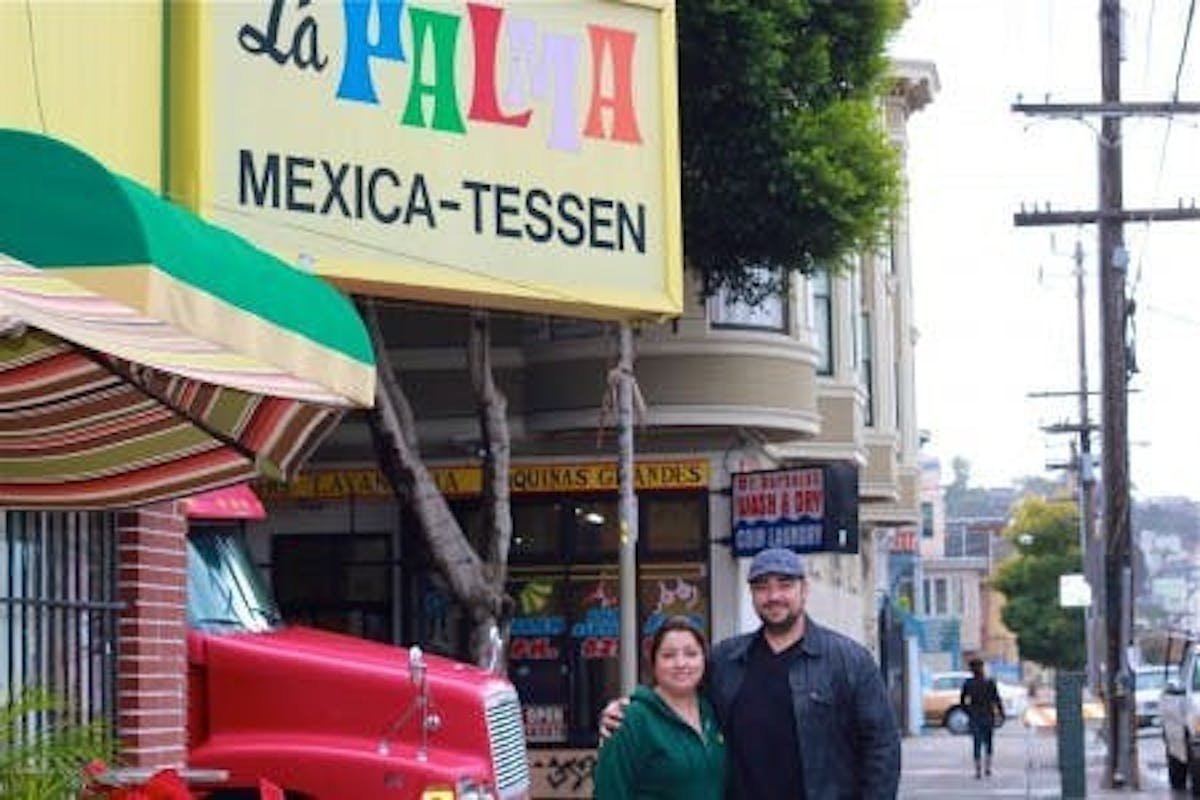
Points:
[(224, 591)]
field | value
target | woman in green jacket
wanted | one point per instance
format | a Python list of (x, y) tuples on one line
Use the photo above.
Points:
[(669, 745)]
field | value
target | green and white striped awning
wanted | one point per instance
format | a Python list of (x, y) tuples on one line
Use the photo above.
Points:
[(146, 354)]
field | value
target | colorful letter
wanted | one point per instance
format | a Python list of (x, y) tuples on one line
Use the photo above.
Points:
[(553, 75), (561, 68), (356, 83), (485, 107), (624, 122), (443, 29), (522, 58)]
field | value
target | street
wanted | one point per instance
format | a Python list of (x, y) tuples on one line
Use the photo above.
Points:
[(938, 764)]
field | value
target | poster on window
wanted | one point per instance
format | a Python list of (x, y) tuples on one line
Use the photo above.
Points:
[(806, 509), (670, 590), (545, 723), (597, 627)]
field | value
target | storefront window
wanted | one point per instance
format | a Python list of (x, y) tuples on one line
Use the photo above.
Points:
[(593, 529), (675, 524), (669, 590), (538, 644), (536, 531), (564, 643), (594, 656), (336, 582), (564, 649)]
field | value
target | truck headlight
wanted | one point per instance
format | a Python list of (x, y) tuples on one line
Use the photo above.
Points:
[(470, 790), (466, 789)]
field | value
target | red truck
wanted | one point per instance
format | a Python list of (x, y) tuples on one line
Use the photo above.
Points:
[(326, 716)]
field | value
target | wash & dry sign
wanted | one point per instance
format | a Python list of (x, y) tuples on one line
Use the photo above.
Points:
[(806, 509)]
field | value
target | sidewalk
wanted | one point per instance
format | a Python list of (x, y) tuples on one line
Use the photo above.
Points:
[(938, 765)]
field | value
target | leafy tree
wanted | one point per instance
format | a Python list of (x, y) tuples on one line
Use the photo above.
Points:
[(1045, 535), (785, 158)]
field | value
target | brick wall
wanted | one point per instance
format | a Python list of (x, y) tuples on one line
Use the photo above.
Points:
[(152, 661)]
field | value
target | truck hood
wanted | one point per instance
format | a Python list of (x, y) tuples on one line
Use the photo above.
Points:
[(308, 681), (302, 643)]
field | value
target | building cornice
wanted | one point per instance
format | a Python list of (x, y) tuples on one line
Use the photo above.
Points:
[(916, 82), (689, 416)]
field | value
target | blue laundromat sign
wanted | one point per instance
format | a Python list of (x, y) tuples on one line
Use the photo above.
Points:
[(806, 509)]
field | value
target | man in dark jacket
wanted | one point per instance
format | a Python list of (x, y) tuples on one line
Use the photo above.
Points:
[(840, 741)]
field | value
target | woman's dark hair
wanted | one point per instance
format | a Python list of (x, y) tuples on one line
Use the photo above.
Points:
[(675, 623)]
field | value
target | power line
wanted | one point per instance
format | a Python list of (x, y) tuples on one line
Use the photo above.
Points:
[(33, 63), (1172, 315), (1187, 35), (390, 251), (1149, 41), (1162, 151)]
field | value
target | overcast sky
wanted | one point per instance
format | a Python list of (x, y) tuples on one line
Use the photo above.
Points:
[(995, 304)]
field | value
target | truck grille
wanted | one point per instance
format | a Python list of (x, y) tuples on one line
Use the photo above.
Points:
[(506, 733)]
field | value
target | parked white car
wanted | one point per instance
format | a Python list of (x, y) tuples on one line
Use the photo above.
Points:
[(1179, 711), (1149, 682)]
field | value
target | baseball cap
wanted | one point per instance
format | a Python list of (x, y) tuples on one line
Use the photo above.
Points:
[(776, 561)]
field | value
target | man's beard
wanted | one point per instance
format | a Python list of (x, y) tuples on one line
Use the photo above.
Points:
[(783, 626)]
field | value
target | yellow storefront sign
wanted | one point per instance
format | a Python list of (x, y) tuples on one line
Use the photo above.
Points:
[(467, 481), (88, 73), (512, 153)]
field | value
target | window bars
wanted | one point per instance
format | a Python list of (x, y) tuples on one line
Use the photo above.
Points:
[(59, 610)]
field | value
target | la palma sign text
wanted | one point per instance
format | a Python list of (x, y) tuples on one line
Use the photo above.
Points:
[(521, 151)]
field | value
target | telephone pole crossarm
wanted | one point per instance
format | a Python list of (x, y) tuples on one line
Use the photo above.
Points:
[(1113, 109), (1025, 219), (1070, 427)]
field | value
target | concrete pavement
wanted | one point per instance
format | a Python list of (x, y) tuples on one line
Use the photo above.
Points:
[(938, 765)]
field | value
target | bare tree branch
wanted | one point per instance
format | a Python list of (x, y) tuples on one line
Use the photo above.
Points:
[(493, 425), (393, 422), (494, 434)]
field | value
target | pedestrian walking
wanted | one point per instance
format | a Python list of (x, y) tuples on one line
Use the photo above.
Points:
[(981, 699), (803, 708), (670, 745)]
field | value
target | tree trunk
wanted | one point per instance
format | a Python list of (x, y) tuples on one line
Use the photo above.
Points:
[(497, 452), (393, 430)]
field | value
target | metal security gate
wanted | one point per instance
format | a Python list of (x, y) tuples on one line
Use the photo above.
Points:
[(58, 609)]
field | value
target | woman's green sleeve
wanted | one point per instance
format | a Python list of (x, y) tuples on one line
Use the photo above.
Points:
[(617, 763)]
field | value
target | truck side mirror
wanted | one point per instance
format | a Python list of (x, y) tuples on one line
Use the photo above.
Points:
[(1174, 686)]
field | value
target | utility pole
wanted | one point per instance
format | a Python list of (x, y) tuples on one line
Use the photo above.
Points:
[(1090, 547), (1122, 766), (1113, 260), (1083, 467)]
